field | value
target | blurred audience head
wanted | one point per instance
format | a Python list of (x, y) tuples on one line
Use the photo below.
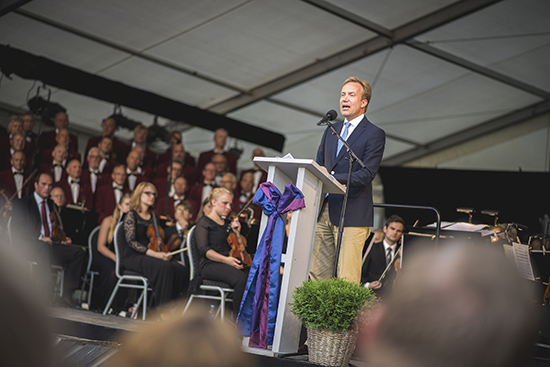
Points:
[(454, 306), (26, 336), (193, 340)]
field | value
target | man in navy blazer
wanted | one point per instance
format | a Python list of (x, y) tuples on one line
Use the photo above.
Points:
[(367, 141)]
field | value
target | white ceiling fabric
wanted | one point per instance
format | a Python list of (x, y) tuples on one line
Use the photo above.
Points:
[(204, 53)]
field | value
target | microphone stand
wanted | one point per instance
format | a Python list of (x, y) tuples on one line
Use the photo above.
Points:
[(352, 159)]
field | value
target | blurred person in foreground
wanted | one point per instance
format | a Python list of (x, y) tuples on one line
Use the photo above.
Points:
[(471, 309), (194, 340), (26, 338)]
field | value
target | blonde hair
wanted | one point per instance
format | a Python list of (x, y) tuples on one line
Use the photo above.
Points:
[(135, 200), (367, 91), (116, 217), (194, 340), (217, 192)]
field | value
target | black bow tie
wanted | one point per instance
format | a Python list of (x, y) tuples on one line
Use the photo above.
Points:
[(132, 174), (93, 172), (118, 188), (58, 165), (208, 184), (18, 173), (74, 182)]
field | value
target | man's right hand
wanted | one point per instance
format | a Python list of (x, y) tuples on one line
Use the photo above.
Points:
[(375, 285), (48, 240)]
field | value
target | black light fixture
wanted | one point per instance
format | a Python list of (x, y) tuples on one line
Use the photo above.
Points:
[(156, 131), (44, 108)]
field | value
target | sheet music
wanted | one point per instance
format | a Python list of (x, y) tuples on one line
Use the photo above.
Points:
[(286, 156), (460, 226), (523, 262)]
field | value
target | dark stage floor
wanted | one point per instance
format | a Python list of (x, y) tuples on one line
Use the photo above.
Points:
[(88, 339)]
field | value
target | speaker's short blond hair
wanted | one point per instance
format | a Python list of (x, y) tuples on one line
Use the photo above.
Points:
[(367, 91)]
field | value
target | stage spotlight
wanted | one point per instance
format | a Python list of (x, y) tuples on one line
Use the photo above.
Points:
[(45, 109), (236, 150), (156, 131), (123, 121)]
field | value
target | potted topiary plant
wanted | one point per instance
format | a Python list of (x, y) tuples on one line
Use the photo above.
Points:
[(329, 308)]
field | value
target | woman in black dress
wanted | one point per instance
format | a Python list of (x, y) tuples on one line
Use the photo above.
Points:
[(169, 279), (211, 234), (104, 257)]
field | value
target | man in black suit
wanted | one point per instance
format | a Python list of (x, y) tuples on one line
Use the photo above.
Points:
[(381, 254), (32, 233), (367, 141)]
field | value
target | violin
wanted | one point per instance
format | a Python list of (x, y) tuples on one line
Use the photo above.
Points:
[(156, 235), (58, 233), (238, 248)]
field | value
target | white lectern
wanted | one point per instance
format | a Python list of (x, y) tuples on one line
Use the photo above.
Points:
[(314, 182)]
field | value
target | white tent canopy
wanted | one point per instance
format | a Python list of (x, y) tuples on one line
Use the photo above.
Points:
[(443, 72)]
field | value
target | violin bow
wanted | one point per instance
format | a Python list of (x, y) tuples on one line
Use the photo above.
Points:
[(398, 252)]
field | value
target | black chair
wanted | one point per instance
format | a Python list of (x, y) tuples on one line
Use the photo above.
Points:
[(127, 278), (222, 289)]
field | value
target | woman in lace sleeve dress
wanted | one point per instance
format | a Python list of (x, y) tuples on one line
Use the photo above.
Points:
[(169, 279)]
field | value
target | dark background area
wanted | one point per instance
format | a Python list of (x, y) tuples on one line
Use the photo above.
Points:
[(520, 197)]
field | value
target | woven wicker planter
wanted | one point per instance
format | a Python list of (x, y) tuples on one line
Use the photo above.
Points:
[(330, 348)]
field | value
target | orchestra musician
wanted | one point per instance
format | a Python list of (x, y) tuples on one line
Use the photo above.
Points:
[(381, 254), (211, 234), (33, 229), (104, 257), (182, 216), (168, 278)]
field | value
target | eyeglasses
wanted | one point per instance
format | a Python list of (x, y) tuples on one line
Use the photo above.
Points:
[(150, 193)]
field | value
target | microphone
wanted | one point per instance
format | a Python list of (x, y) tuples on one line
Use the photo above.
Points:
[(331, 115)]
